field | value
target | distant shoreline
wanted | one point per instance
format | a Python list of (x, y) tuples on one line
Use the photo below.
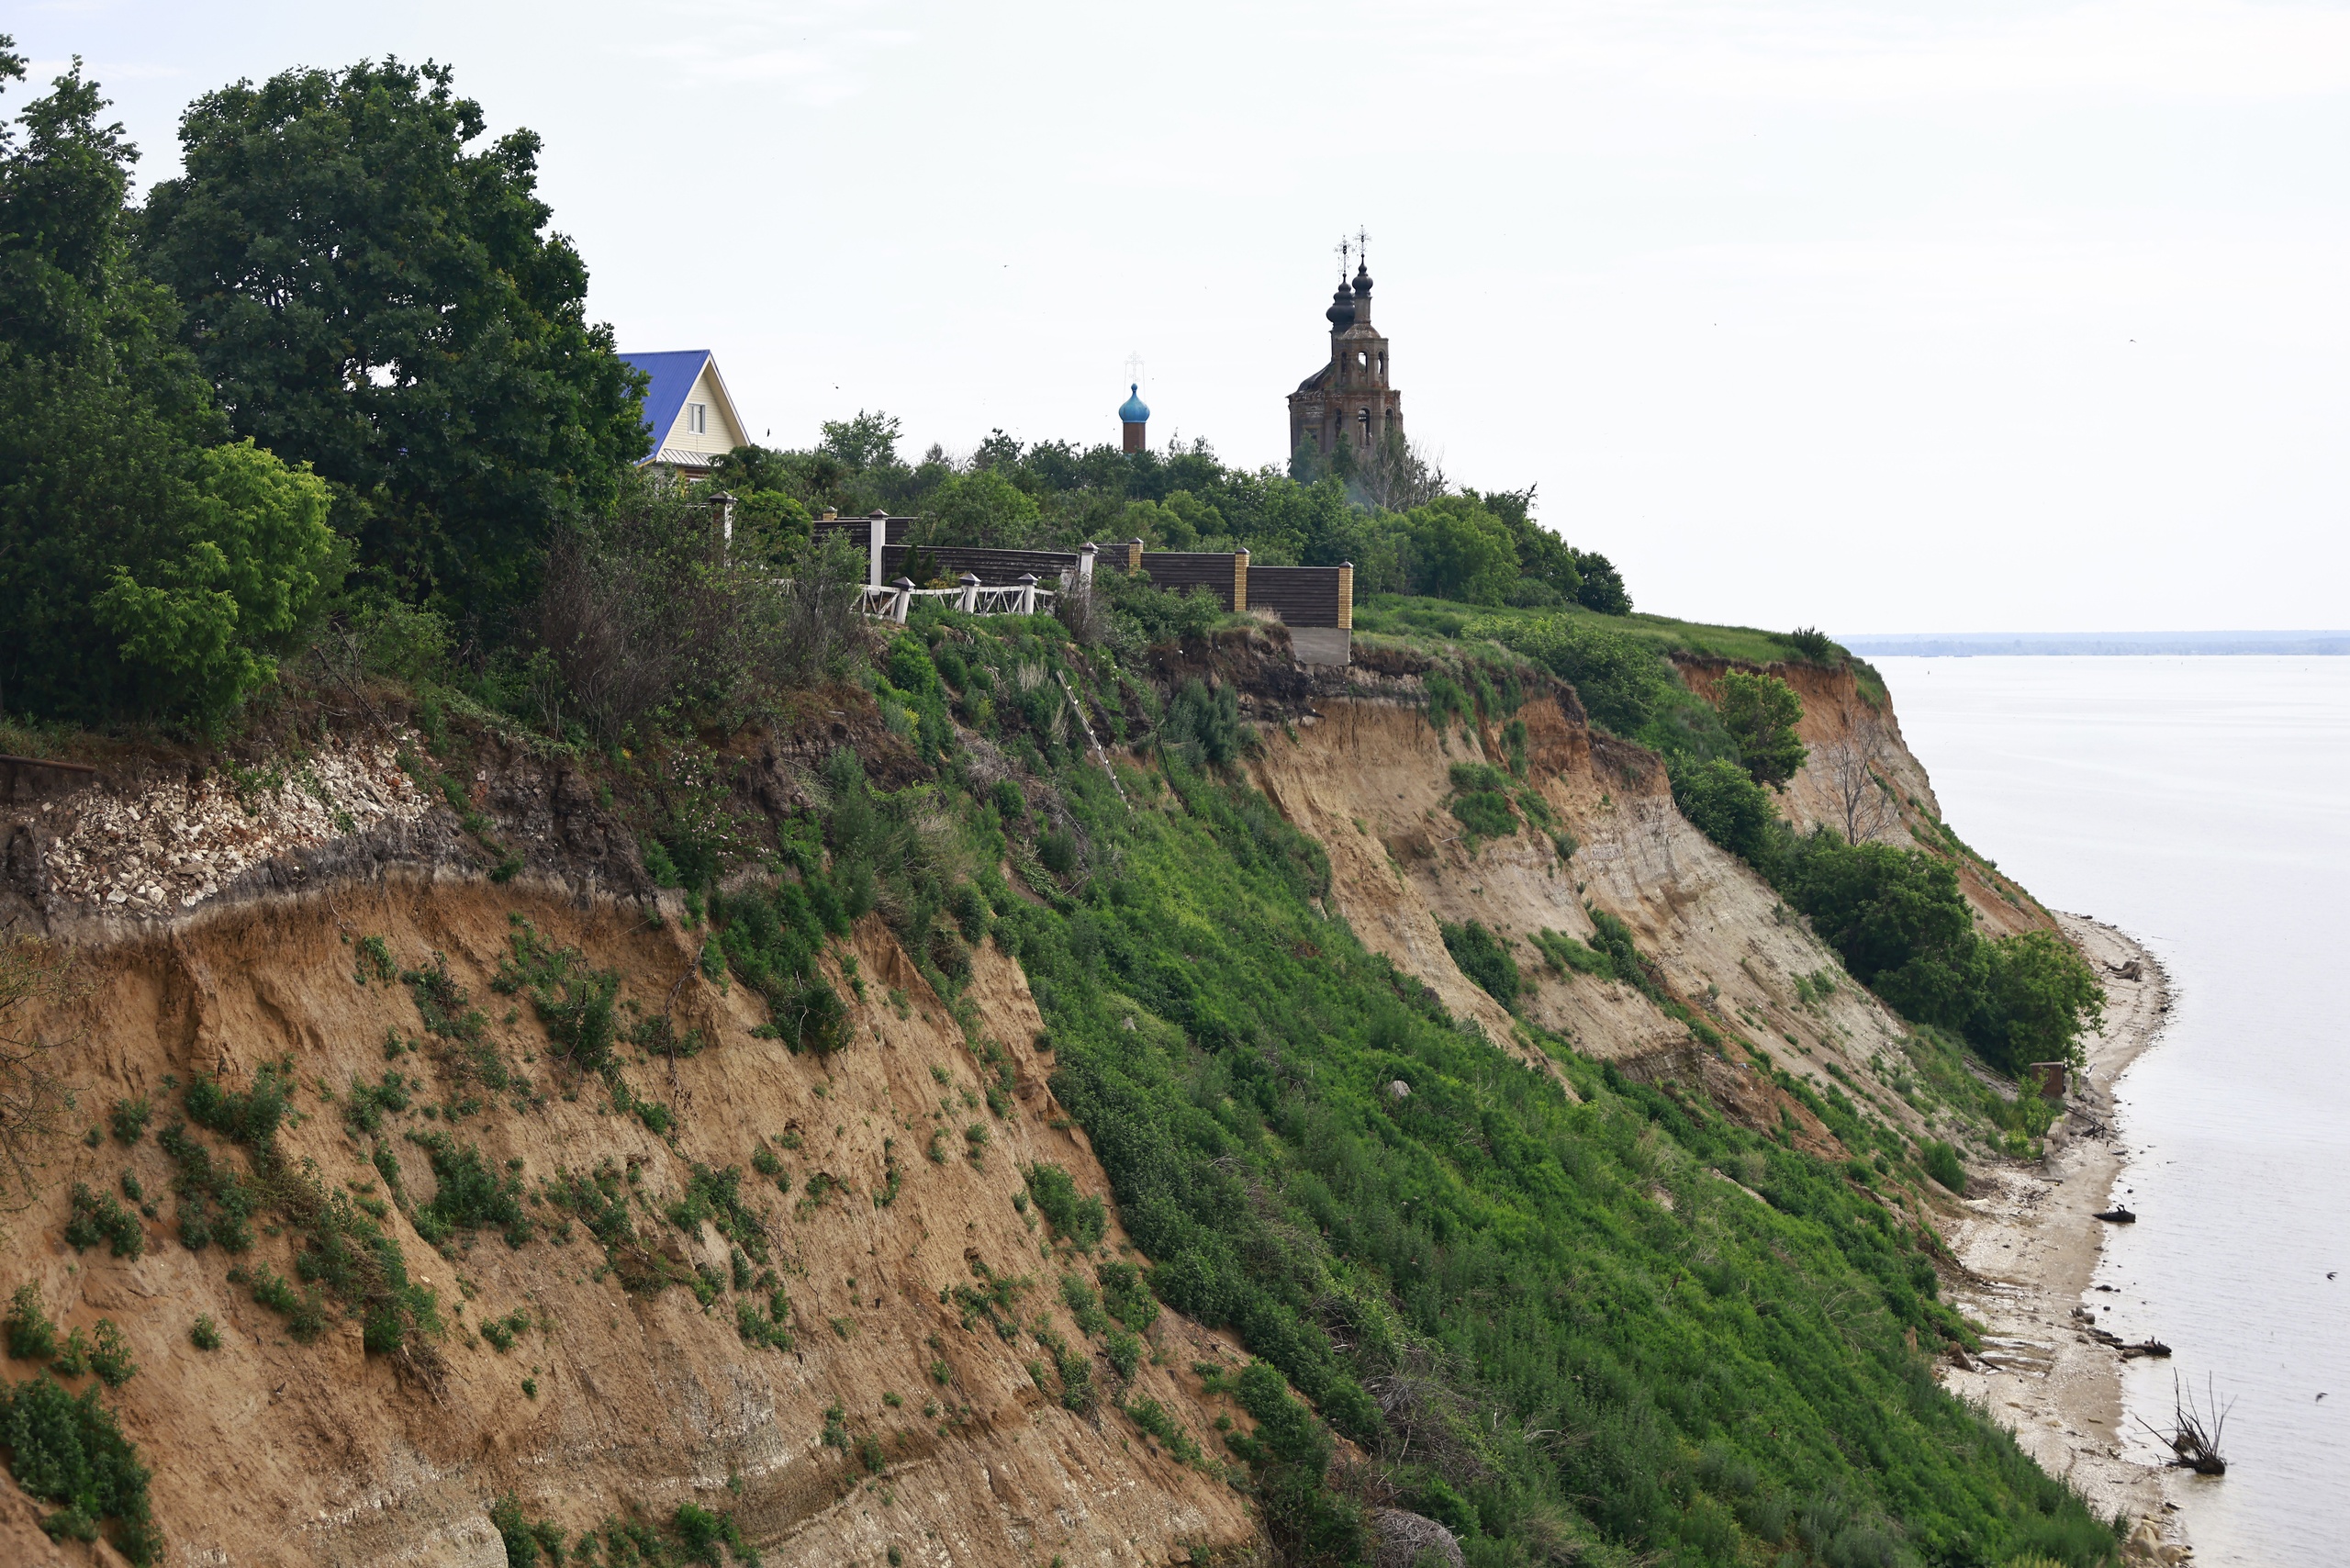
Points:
[(1968, 644)]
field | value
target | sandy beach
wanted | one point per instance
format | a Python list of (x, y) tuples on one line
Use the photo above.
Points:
[(2028, 1247)]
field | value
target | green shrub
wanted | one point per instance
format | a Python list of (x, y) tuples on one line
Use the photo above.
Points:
[(1204, 728), (1613, 937), (470, 1196), (1484, 815), (1564, 955), (1080, 1219), (1058, 850), (128, 1118), (248, 1116), (110, 1355), (1724, 802), (204, 1334), (72, 1452), (1124, 1351), (1760, 712), (574, 1001), (1483, 958), (98, 1216), (1941, 1161), (31, 1335), (1126, 1295)]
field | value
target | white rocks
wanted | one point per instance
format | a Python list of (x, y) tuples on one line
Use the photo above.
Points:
[(175, 846)]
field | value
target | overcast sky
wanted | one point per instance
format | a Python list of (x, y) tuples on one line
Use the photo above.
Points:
[(1994, 315)]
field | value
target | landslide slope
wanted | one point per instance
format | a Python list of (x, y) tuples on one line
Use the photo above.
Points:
[(609, 1402), (1668, 1296)]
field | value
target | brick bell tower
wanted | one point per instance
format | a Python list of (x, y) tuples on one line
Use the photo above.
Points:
[(1351, 399)]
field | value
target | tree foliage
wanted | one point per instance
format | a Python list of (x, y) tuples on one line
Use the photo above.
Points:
[(148, 568), (1760, 712), (375, 295)]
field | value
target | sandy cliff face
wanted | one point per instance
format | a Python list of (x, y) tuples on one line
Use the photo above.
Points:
[(233, 941), (270, 1451)]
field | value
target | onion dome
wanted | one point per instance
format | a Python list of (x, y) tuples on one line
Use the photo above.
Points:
[(1341, 314), (1134, 411), (1363, 280)]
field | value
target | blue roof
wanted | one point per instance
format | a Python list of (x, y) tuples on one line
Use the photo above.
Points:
[(1134, 411), (674, 375)]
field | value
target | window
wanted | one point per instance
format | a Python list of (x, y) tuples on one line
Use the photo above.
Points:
[(698, 418)]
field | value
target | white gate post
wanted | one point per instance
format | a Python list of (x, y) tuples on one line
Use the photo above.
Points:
[(970, 602), (876, 534), (905, 601), (1028, 593)]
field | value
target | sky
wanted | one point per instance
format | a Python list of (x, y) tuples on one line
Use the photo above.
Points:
[(1885, 316)]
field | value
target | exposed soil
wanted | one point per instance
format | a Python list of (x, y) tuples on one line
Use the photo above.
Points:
[(268, 1451)]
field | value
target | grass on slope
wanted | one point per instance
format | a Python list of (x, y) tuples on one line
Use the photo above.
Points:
[(1551, 1323)]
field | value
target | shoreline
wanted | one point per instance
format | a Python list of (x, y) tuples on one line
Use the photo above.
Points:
[(2028, 1251)]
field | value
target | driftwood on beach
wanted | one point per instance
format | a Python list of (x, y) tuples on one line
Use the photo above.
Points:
[(2116, 1216), (2194, 1437)]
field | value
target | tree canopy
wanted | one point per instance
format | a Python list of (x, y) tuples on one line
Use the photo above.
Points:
[(149, 567), (372, 294)]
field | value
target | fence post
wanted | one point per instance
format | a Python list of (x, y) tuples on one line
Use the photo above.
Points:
[(876, 534), (905, 601), (1085, 556), (970, 602), (1134, 555), (1028, 593), (1347, 595), (721, 512), (1240, 580)]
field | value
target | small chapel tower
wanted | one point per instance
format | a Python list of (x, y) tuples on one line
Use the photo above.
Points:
[(1133, 418), (1351, 399)]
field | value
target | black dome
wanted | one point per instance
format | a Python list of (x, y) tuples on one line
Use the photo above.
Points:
[(1362, 279), (1342, 308)]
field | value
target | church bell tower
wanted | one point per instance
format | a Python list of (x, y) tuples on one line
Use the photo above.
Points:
[(1352, 400)]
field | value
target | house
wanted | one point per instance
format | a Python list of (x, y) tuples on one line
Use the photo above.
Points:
[(688, 417)]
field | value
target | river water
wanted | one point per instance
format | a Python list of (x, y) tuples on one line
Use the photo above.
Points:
[(2203, 805)]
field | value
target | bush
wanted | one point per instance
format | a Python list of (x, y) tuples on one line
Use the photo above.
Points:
[(1564, 955), (204, 1334), (128, 1119), (31, 1335), (95, 1218), (1623, 682), (1722, 801), (1760, 712), (573, 1001), (110, 1355), (72, 1452), (248, 1116), (1903, 927), (1080, 1219), (1058, 850), (1203, 727), (1941, 1161), (1483, 958)]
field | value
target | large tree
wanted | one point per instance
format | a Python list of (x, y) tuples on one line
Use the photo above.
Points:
[(147, 568), (371, 292)]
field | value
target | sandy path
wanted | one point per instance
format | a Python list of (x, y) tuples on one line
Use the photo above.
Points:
[(2029, 1247)]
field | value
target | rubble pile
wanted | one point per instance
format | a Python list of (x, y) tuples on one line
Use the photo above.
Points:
[(169, 847)]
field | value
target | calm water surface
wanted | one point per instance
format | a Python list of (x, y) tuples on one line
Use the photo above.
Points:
[(2202, 805)]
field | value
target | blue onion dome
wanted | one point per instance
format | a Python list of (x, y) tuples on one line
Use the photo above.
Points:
[(1342, 308), (1134, 411)]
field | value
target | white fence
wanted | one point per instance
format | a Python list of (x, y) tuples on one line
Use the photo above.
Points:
[(891, 601)]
